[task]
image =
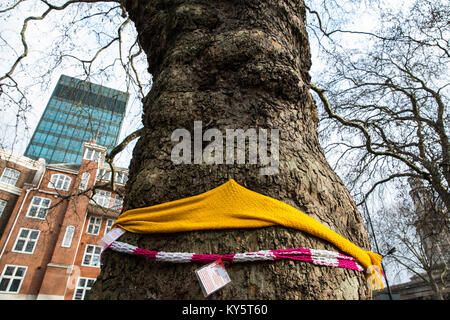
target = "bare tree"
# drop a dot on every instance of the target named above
(93, 40)
(385, 111)
(417, 226)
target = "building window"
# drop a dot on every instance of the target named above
(121, 177)
(38, 208)
(83, 286)
(91, 256)
(84, 180)
(102, 198)
(109, 223)
(2, 206)
(11, 278)
(68, 236)
(10, 176)
(26, 241)
(91, 154)
(118, 203)
(104, 174)
(59, 182)
(94, 225)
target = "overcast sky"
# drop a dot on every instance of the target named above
(42, 38)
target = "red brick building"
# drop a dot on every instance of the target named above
(15, 172)
(48, 246)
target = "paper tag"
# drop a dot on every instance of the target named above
(110, 237)
(212, 277)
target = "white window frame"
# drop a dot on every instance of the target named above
(84, 180)
(118, 202)
(84, 288)
(109, 223)
(68, 237)
(59, 178)
(26, 240)
(104, 174)
(94, 225)
(38, 208)
(92, 256)
(92, 154)
(12, 277)
(10, 176)
(102, 198)
(3, 204)
(121, 177)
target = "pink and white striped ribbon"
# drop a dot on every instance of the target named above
(317, 257)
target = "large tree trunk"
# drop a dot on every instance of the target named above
(231, 64)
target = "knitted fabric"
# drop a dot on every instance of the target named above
(317, 257)
(231, 206)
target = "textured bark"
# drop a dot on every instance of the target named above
(231, 64)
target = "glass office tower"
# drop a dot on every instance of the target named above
(77, 112)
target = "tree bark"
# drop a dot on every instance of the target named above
(238, 65)
(434, 286)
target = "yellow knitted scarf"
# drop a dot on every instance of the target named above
(231, 206)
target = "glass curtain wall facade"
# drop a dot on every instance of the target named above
(77, 112)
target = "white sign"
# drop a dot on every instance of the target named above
(212, 277)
